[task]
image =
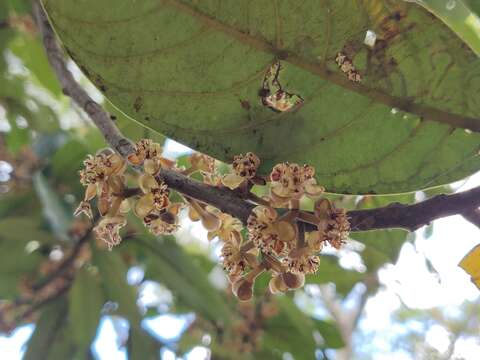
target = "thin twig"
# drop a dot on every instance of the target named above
(65, 265)
(71, 88)
(35, 307)
(407, 217)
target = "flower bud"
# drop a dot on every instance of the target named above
(286, 230)
(277, 285)
(193, 214)
(293, 281)
(243, 289)
(210, 222)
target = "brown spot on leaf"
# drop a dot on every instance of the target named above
(245, 104)
(137, 105)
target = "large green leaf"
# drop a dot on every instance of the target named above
(293, 331)
(54, 209)
(331, 271)
(170, 265)
(16, 261)
(193, 69)
(459, 17)
(31, 52)
(113, 271)
(381, 247)
(86, 301)
(49, 340)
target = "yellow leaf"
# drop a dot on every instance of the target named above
(471, 264)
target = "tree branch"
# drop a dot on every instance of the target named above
(473, 216)
(66, 264)
(407, 217)
(70, 87)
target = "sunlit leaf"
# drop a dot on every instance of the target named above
(458, 15)
(30, 50)
(53, 208)
(471, 264)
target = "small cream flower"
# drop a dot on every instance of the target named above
(269, 235)
(108, 229)
(292, 181)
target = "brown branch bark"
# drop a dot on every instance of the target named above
(66, 264)
(473, 216)
(407, 217)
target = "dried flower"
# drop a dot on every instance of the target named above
(155, 196)
(165, 223)
(338, 228)
(245, 169)
(108, 229)
(84, 207)
(144, 149)
(333, 223)
(233, 261)
(246, 165)
(303, 264)
(203, 163)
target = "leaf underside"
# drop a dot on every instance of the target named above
(192, 70)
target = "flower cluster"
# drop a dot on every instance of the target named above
(244, 172)
(284, 248)
(280, 237)
(104, 177)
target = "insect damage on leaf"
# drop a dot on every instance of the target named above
(272, 94)
(471, 264)
(347, 67)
